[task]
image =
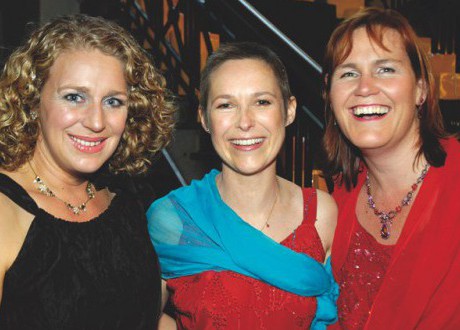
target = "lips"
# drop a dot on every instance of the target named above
(370, 111)
(87, 144)
(247, 142)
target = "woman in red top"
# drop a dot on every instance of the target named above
(396, 254)
(243, 248)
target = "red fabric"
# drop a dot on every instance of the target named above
(361, 277)
(421, 288)
(228, 300)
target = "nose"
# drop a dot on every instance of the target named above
(366, 85)
(94, 118)
(245, 119)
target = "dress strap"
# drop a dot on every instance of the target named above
(310, 204)
(17, 194)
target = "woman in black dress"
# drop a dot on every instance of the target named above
(80, 97)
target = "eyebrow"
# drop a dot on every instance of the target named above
(377, 62)
(86, 90)
(229, 96)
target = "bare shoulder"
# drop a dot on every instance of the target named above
(8, 217)
(8, 223)
(14, 224)
(327, 207)
(326, 223)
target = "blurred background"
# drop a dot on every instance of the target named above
(180, 34)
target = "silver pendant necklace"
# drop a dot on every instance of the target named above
(75, 209)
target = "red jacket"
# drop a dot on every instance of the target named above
(421, 288)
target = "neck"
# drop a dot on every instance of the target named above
(394, 170)
(250, 193)
(54, 175)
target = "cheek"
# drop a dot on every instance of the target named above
(334, 97)
(118, 122)
(58, 120)
(219, 125)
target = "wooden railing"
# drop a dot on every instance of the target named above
(182, 33)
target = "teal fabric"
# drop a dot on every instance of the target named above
(193, 231)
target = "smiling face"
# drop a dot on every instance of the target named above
(246, 115)
(374, 93)
(82, 111)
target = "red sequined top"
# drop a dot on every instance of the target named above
(228, 300)
(362, 274)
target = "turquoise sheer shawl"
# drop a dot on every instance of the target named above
(193, 231)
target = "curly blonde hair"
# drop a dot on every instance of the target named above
(150, 107)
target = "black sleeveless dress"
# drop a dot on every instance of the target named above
(100, 274)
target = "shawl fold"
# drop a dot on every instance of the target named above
(193, 231)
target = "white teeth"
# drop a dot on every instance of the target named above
(247, 142)
(86, 143)
(370, 110)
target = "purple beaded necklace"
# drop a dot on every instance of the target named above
(386, 218)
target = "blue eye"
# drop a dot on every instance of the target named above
(73, 97)
(114, 102)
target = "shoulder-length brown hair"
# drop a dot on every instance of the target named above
(150, 109)
(342, 156)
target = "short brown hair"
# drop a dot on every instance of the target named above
(343, 157)
(150, 109)
(242, 51)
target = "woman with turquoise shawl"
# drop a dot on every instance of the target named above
(244, 248)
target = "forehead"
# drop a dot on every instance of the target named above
(384, 39)
(251, 64)
(382, 42)
(71, 59)
(234, 73)
(91, 69)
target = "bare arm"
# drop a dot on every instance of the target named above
(326, 219)
(2, 276)
(14, 224)
(166, 321)
(7, 233)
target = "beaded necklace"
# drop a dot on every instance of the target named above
(75, 209)
(386, 218)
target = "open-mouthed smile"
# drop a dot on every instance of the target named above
(89, 145)
(247, 142)
(370, 111)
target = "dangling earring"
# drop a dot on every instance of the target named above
(33, 115)
(418, 108)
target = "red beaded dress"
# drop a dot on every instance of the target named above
(362, 275)
(228, 300)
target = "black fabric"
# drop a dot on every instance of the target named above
(100, 274)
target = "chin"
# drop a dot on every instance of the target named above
(248, 169)
(88, 167)
(368, 140)
(372, 144)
